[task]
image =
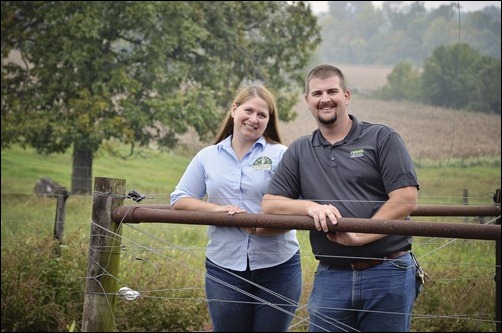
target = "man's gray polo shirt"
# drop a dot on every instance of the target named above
(354, 175)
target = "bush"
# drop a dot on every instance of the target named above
(43, 285)
(42, 288)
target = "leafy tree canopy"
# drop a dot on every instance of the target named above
(84, 72)
(143, 70)
(458, 76)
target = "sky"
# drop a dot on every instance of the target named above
(322, 6)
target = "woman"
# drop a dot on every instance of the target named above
(253, 275)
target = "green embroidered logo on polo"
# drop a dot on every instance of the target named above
(357, 153)
(262, 163)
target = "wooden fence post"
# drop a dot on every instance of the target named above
(61, 196)
(497, 200)
(465, 201)
(104, 257)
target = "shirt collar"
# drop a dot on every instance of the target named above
(227, 143)
(355, 132)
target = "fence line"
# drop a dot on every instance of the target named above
(108, 213)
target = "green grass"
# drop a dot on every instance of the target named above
(148, 171)
(151, 173)
(447, 183)
(158, 172)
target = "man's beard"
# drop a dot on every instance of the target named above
(327, 122)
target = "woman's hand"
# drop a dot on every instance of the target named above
(230, 209)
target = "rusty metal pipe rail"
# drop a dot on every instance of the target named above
(457, 210)
(163, 213)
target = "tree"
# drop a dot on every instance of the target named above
(403, 83)
(358, 32)
(482, 31)
(460, 77)
(76, 74)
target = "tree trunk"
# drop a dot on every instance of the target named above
(81, 178)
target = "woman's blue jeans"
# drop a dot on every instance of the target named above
(264, 300)
(378, 299)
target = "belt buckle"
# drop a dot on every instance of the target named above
(352, 266)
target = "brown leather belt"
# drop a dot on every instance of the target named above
(363, 264)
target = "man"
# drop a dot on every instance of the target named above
(349, 168)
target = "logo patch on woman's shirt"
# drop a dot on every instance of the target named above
(262, 163)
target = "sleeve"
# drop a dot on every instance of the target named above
(396, 164)
(285, 181)
(192, 183)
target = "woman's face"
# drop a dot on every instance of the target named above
(251, 118)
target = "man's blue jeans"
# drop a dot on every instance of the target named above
(377, 299)
(264, 300)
